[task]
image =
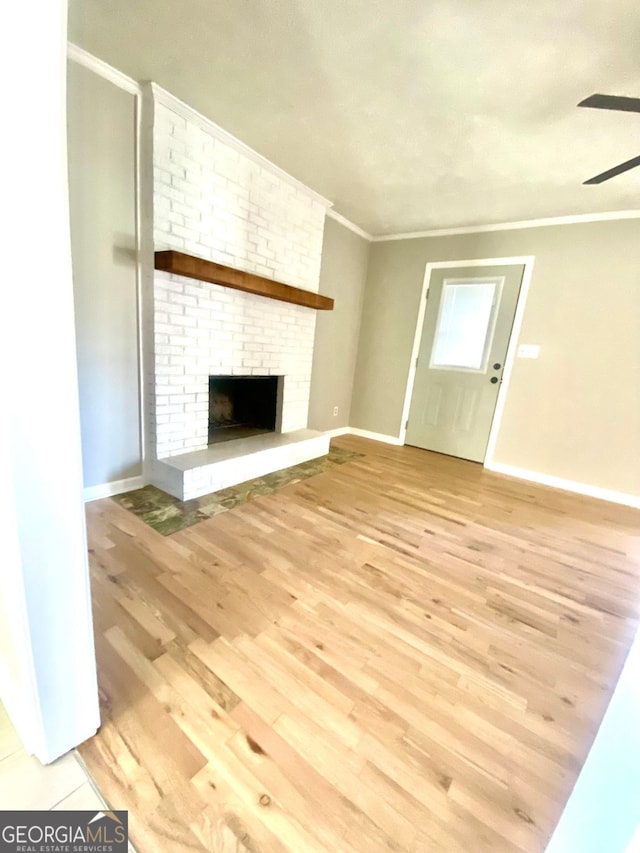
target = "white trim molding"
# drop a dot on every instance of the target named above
(334, 433)
(180, 108)
(349, 224)
(528, 261)
(108, 72)
(417, 337)
(363, 433)
(82, 57)
(377, 436)
(566, 485)
(116, 487)
(575, 219)
(525, 260)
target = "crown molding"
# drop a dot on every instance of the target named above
(108, 72)
(349, 224)
(162, 96)
(575, 219)
(88, 60)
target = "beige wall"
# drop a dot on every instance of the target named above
(342, 276)
(575, 412)
(101, 146)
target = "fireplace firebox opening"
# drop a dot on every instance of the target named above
(241, 406)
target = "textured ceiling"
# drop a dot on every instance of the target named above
(407, 114)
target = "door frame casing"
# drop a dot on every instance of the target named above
(522, 260)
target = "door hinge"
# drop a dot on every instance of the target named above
(426, 296)
(406, 424)
(417, 360)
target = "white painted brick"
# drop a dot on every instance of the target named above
(212, 201)
(188, 188)
(180, 299)
(161, 176)
(168, 329)
(211, 325)
(169, 409)
(163, 309)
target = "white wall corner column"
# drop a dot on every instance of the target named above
(47, 660)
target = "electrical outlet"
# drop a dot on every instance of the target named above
(335, 411)
(528, 351)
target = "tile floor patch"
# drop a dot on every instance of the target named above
(167, 514)
(28, 785)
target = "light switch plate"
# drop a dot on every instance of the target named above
(528, 351)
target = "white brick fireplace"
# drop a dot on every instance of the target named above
(216, 199)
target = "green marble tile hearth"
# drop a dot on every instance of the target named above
(167, 514)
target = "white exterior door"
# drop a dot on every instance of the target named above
(463, 346)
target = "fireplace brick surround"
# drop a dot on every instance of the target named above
(217, 200)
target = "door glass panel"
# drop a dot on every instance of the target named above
(465, 323)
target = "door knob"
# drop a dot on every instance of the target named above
(497, 366)
(494, 379)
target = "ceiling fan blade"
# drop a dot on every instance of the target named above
(617, 170)
(612, 102)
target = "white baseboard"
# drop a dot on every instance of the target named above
(364, 433)
(106, 490)
(566, 485)
(334, 433)
(376, 436)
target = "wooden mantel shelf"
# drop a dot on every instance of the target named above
(188, 265)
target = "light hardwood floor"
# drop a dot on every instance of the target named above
(404, 653)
